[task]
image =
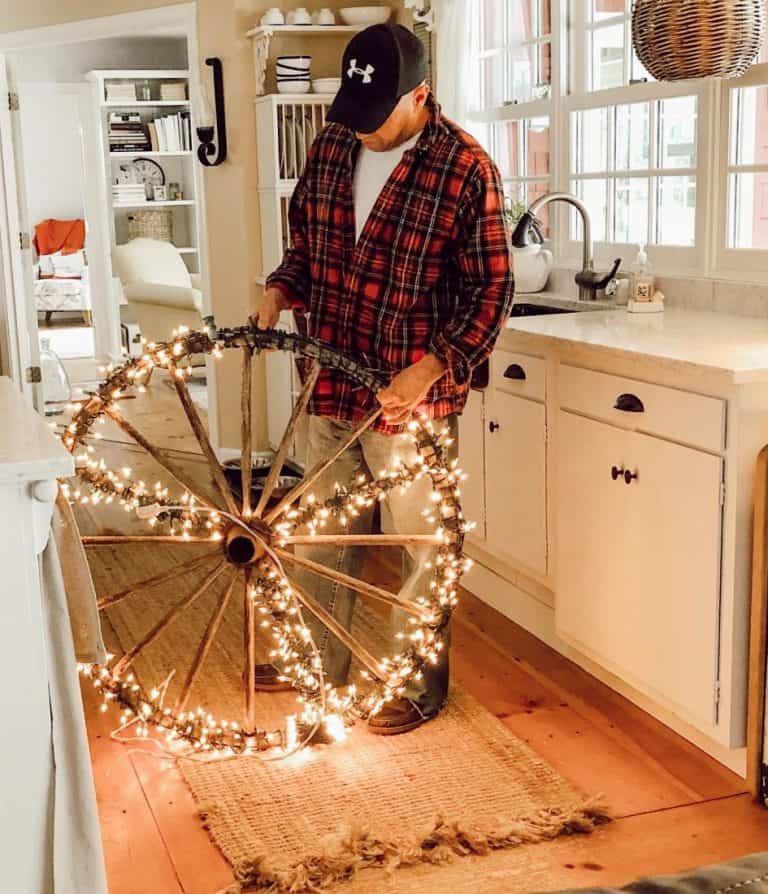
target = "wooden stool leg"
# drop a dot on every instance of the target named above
(758, 629)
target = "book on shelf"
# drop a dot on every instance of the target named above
(128, 132)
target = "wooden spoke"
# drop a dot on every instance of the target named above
(245, 430)
(353, 583)
(285, 443)
(156, 581)
(109, 539)
(169, 618)
(249, 651)
(205, 643)
(363, 539)
(117, 417)
(328, 621)
(318, 470)
(219, 478)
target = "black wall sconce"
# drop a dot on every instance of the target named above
(209, 129)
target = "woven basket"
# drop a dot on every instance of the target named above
(681, 39)
(154, 224)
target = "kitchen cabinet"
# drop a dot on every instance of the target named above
(472, 462)
(515, 485)
(638, 561)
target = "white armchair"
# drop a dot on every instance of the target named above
(158, 288)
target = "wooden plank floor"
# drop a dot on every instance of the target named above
(675, 807)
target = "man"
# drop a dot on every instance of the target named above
(400, 258)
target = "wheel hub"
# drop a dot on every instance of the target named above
(245, 546)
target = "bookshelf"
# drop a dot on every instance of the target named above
(126, 102)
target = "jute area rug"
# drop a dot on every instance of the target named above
(325, 818)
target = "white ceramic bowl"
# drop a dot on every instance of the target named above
(326, 85)
(293, 62)
(365, 15)
(293, 86)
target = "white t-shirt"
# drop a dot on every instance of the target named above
(372, 171)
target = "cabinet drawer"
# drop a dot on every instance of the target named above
(518, 374)
(655, 409)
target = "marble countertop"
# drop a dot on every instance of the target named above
(734, 345)
(29, 449)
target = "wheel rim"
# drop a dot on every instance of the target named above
(251, 544)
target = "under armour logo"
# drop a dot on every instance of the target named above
(365, 72)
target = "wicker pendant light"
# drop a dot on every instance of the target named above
(681, 39)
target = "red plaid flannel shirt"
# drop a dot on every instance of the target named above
(431, 271)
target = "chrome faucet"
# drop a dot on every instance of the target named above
(587, 279)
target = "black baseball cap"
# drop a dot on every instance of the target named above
(380, 64)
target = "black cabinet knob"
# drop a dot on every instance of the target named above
(514, 371)
(615, 472)
(493, 426)
(629, 476)
(629, 403)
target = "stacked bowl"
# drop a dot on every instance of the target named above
(293, 74)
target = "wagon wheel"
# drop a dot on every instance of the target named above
(246, 546)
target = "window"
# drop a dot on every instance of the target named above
(521, 150)
(634, 165)
(516, 51)
(648, 158)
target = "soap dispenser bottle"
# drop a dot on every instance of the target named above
(641, 277)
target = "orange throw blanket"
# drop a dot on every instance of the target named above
(66, 236)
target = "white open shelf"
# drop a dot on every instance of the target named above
(136, 152)
(178, 166)
(304, 29)
(145, 103)
(156, 203)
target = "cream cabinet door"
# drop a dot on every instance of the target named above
(472, 462)
(515, 483)
(638, 563)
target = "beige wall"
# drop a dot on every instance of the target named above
(230, 190)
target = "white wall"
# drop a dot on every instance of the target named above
(50, 136)
(70, 62)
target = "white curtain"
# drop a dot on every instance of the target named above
(457, 46)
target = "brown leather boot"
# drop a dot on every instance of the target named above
(266, 679)
(398, 716)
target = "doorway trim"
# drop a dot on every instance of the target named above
(180, 19)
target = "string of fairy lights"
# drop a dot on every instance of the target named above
(280, 611)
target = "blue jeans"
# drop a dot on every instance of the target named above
(400, 514)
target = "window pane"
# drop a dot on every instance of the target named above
(590, 146)
(544, 73)
(608, 57)
(676, 211)
(493, 92)
(544, 8)
(492, 30)
(748, 224)
(594, 194)
(519, 197)
(537, 147)
(632, 136)
(749, 126)
(637, 71)
(528, 19)
(605, 9)
(631, 210)
(521, 62)
(677, 132)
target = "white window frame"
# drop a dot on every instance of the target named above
(710, 256)
(745, 264)
(665, 258)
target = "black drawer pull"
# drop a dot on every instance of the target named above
(629, 403)
(493, 426)
(514, 371)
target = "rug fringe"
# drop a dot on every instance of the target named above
(353, 848)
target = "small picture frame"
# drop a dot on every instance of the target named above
(174, 192)
(160, 193)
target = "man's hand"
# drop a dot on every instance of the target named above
(409, 388)
(268, 309)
